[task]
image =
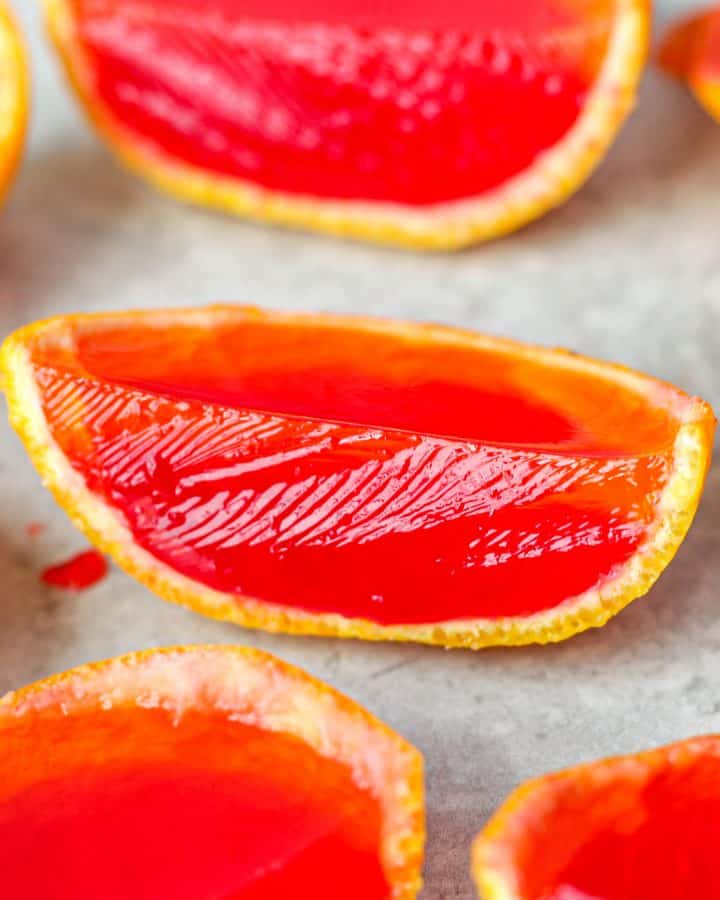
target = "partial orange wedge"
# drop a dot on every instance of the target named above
(630, 828)
(360, 477)
(691, 52)
(203, 772)
(426, 124)
(14, 97)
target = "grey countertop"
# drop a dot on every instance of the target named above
(629, 270)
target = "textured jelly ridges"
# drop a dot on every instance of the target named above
(389, 526)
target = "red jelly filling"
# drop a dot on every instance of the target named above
(415, 103)
(128, 804)
(335, 471)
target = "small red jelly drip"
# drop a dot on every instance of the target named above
(33, 529)
(80, 572)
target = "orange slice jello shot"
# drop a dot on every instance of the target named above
(356, 477)
(203, 772)
(640, 826)
(422, 123)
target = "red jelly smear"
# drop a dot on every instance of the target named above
(79, 572)
(206, 810)
(412, 103)
(335, 470)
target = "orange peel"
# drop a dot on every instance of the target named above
(14, 97)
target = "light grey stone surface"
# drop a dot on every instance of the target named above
(629, 270)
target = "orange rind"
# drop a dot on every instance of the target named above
(200, 772)
(365, 119)
(14, 97)
(356, 477)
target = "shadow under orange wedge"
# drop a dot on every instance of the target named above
(424, 123)
(14, 100)
(360, 477)
(640, 826)
(203, 772)
(691, 52)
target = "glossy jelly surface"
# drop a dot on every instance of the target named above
(354, 501)
(412, 103)
(200, 810)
